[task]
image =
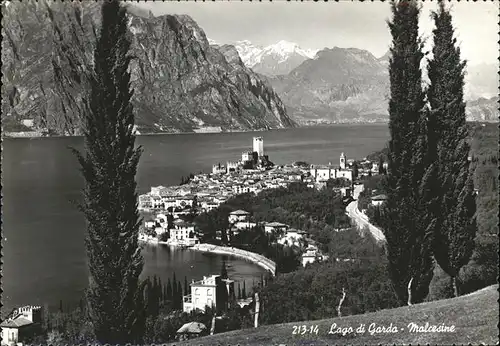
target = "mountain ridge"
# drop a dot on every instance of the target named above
(181, 83)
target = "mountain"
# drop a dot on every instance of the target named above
(181, 82)
(351, 85)
(483, 109)
(481, 81)
(384, 59)
(338, 85)
(275, 59)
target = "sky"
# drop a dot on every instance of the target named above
(316, 25)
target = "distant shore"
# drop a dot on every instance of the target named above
(259, 260)
(37, 134)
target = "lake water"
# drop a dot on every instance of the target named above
(43, 233)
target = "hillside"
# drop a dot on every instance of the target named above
(181, 82)
(475, 317)
(338, 85)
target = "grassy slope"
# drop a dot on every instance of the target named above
(475, 317)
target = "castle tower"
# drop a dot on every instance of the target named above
(258, 146)
(343, 161)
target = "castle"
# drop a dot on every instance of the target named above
(249, 159)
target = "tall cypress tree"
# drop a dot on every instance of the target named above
(186, 286)
(169, 292)
(407, 227)
(109, 165)
(454, 237)
(179, 295)
(223, 271)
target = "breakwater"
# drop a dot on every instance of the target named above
(260, 260)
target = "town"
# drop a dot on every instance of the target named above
(165, 210)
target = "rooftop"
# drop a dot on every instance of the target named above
(275, 224)
(192, 327)
(16, 322)
(240, 212)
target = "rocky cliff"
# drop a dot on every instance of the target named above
(181, 82)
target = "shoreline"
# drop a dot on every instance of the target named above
(30, 134)
(257, 259)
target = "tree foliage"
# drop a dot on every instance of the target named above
(109, 166)
(407, 226)
(455, 212)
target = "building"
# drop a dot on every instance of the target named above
(275, 227)
(145, 202)
(207, 292)
(292, 237)
(322, 173)
(309, 257)
(21, 324)
(312, 255)
(241, 225)
(345, 191)
(238, 215)
(28, 122)
(183, 233)
(343, 161)
(246, 156)
(378, 200)
(232, 166)
(191, 330)
(218, 169)
(258, 146)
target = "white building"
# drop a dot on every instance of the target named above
(28, 122)
(238, 215)
(21, 324)
(218, 169)
(241, 225)
(343, 161)
(145, 202)
(246, 156)
(275, 227)
(312, 255)
(292, 237)
(183, 233)
(204, 293)
(157, 202)
(378, 200)
(322, 173)
(232, 166)
(258, 146)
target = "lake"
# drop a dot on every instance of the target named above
(43, 232)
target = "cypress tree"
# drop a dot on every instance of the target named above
(109, 166)
(223, 271)
(355, 170)
(408, 230)
(174, 290)
(169, 292)
(186, 286)
(160, 290)
(179, 295)
(380, 165)
(454, 236)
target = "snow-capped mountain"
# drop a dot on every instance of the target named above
(275, 59)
